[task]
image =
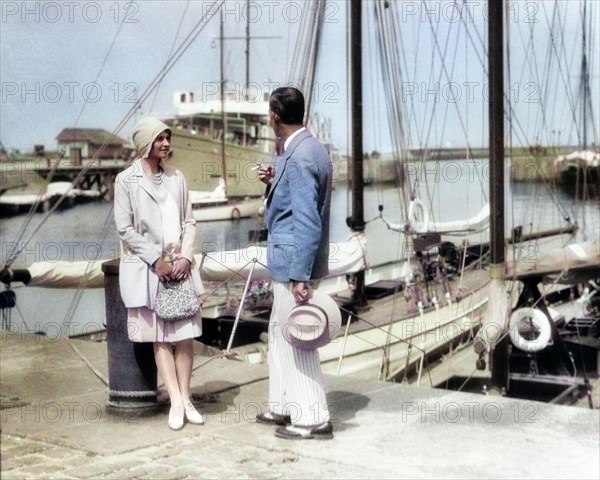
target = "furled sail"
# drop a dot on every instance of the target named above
(419, 222)
(345, 257)
(66, 274)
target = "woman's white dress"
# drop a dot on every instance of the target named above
(142, 323)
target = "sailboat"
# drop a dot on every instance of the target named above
(399, 313)
(215, 205)
(19, 203)
(412, 324)
(525, 341)
(579, 171)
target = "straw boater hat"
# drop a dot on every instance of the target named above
(145, 132)
(313, 324)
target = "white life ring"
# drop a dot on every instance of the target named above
(537, 323)
(418, 216)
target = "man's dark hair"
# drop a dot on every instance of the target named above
(288, 104)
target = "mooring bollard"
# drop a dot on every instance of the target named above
(132, 374)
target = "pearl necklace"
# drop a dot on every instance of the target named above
(156, 178)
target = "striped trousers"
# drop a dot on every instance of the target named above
(295, 379)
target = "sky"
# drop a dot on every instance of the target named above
(56, 73)
(85, 63)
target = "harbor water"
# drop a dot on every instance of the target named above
(87, 232)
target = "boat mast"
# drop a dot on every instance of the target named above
(223, 115)
(247, 46)
(584, 78)
(356, 222)
(499, 362)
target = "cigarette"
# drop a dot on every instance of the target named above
(257, 166)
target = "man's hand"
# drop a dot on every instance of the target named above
(301, 291)
(265, 173)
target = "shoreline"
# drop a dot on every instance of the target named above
(531, 164)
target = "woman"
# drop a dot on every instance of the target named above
(154, 220)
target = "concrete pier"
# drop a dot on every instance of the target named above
(55, 425)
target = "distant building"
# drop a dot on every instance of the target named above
(96, 143)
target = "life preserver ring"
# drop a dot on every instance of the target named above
(529, 320)
(235, 213)
(418, 216)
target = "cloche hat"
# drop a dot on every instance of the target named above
(145, 132)
(313, 324)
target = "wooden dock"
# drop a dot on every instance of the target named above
(89, 175)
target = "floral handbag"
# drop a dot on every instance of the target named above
(175, 302)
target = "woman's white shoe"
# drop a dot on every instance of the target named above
(193, 415)
(176, 418)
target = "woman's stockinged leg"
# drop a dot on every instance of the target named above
(165, 361)
(184, 358)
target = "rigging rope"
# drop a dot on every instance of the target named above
(389, 40)
(519, 131)
(183, 46)
(112, 44)
(187, 4)
(83, 284)
(376, 116)
(392, 76)
(306, 53)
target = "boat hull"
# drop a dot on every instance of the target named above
(581, 182)
(199, 159)
(11, 205)
(393, 334)
(232, 210)
(382, 352)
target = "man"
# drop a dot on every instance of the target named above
(298, 206)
